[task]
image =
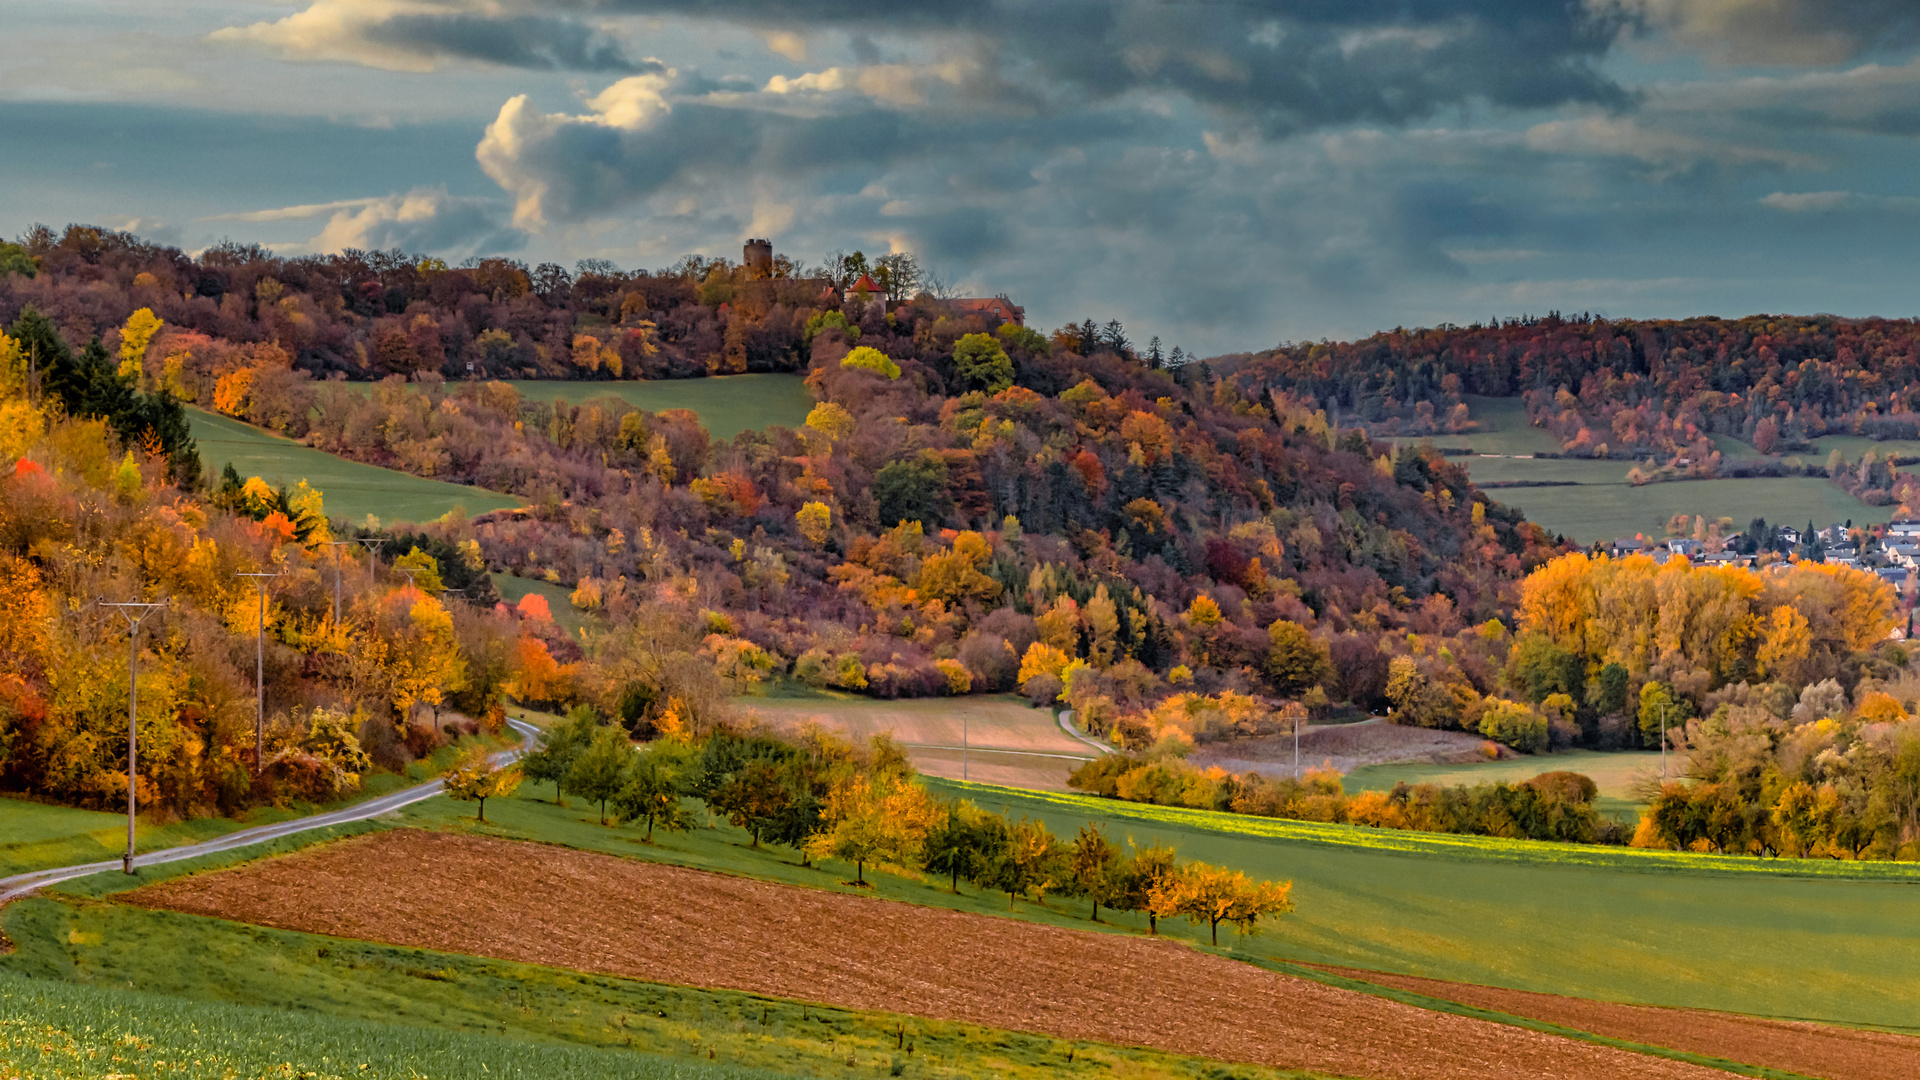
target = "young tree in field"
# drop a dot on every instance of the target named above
(1029, 859)
(959, 845)
(754, 797)
(1214, 894)
(559, 748)
(1091, 864)
(744, 778)
(477, 779)
(655, 787)
(1138, 876)
(874, 819)
(601, 769)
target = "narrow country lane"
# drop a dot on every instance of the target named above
(21, 884)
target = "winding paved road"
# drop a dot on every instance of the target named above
(20, 884)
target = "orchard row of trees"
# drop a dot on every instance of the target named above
(828, 798)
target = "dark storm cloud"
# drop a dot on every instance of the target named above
(1280, 67)
(1777, 31)
(525, 41)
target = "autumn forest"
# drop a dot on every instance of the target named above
(1183, 555)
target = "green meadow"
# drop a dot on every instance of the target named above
(352, 490)
(1781, 938)
(1591, 500)
(512, 588)
(726, 404)
(1593, 512)
(58, 1029)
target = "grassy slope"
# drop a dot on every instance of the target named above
(56, 1030)
(1735, 934)
(1616, 773)
(559, 600)
(352, 490)
(35, 836)
(1604, 506)
(1593, 512)
(726, 405)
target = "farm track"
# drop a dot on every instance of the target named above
(573, 909)
(1836, 1053)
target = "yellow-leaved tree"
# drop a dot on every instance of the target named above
(135, 336)
(874, 819)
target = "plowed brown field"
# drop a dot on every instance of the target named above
(574, 909)
(1835, 1053)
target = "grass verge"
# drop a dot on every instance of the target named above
(39, 836)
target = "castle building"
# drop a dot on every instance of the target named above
(757, 257)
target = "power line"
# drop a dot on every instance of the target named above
(128, 611)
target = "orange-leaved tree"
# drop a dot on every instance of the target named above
(1215, 894)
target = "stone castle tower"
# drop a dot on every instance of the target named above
(757, 257)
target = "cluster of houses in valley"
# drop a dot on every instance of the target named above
(1891, 551)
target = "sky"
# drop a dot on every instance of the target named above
(1225, 175)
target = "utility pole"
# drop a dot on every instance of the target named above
(336, 545)
(260, 671)
(1296, 748)
(1663, 744)
(963, 746)
(409, 571)
(135, 613)
(374, 544)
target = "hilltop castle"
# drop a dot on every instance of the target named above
(756, 256)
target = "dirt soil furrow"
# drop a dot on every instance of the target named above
(573, 909)
(1824, 1050)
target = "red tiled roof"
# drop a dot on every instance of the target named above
(866, 284)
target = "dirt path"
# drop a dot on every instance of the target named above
(556, 906)
(1822, 1050)
(1013, 744)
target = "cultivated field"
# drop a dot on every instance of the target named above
(593, 912)
(1343, 747)
(352, 490)
(726, 405)
(1810, 1049)
(1010, 742)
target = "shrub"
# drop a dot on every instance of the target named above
(867, 358)
(959, 679)
(1514, 724)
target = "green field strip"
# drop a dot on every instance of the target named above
(726, 404)
(1545, 1027)
(352, 489)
